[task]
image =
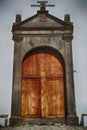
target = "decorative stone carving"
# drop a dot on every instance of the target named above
(43, 17)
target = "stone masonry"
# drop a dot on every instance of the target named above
(43, 32)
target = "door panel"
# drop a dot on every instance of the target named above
(31, 96)
(53, 99)
(56, 109)
(42, 87)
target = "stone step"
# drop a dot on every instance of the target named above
(45, 127)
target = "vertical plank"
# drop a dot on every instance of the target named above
(31, 104)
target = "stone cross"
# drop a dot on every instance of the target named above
(42, 5)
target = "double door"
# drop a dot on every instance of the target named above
(42, 91)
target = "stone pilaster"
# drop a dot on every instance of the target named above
(71, 108)
(15, 111)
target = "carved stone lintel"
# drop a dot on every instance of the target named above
(17, 38)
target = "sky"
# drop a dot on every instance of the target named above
(78, 12)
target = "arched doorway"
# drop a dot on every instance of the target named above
(42, 89)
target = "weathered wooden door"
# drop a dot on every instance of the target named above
(42, 91)
(31, 94)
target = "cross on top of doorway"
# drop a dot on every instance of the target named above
(42, 5)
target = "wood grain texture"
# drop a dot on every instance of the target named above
(42, 91)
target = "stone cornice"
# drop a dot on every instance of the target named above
(17, 38)
(67, 38)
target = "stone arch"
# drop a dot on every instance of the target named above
(45, 49)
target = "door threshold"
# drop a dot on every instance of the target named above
(43, 121)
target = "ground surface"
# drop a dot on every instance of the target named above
(45, 127)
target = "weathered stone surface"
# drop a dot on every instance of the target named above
(45, 127)
(53, 36)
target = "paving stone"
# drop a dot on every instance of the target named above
(63, 127)
(52, 127)
(31, 128)
(36, 127)
(58, 128)
(45, 127)
(70, 128)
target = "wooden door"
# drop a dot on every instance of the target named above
(42, 92)
(31, 96)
